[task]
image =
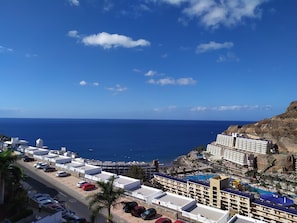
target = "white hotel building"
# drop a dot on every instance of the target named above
(238, 149)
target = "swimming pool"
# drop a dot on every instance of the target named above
(260, 191)
(201, 177)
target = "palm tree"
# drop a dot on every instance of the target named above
(136, 172)
(13, 181)
(6, 159)
(107, 197)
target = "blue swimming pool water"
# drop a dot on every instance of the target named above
(260, 191)
(201, 177)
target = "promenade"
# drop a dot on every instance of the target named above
(68, 185)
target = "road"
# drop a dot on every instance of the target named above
(39, 184)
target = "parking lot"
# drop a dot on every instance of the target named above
(69, 183)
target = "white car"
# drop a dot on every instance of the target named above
(48, 201)
(41, 199)
(38, 163)
(81, 183)
(62, 174)
(37, 195)
(41, 166)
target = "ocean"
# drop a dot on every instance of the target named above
(118, 140)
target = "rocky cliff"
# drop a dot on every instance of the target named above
(280, 129)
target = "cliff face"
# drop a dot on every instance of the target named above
(280, 129)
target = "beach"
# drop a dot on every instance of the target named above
(68, 185)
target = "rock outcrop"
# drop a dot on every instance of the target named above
(280, 129)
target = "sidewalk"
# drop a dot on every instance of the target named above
(69, 184)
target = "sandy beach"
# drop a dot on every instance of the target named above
(69, 184)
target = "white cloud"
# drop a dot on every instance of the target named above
(216, 13)
(166, 109)
(108, 5)
(185, 81)
(150, 73)
(163, 81)
(205, 47)
(117, 89)
(73, 33)
(199, 108)
(174, 2)
(228, 108)
(107, 40)
(229, 57)
(236, 107)
(4, 49)
(30, 55)
(171, 81)
(82, 83)
(74, 2)
(137, 70)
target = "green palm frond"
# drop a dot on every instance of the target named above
(107, 196)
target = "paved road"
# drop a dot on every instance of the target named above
(66, 190)
(41, 185)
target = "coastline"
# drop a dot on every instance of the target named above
(118, 140)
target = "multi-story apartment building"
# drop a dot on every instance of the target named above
(217, 193)
(238, 149)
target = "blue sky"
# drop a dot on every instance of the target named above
(147, 59)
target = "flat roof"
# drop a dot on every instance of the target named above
(145, 191)
(31, 148)
(170, 177)
(240, 220)
(243, 219)
(125, 180)
(62, 158)
(16, 141)
(103, 175)
(88, 167)
(213, 214)
(275, 206)
(74, 164)
(50, 155)
(176, 200)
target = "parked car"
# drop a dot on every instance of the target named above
(137, 211)
(81, 183)
(62, 174)
(163, 220)
(128, 206)
(149, 213)
(38, 195)
(39, 199)
(28, 159)
(73, 218)
(38, 163)
(41, 165)
(88, 186)
(49, 169)
(48, 201)
(56, 207)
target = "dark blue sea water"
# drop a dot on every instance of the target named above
(118, 140)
